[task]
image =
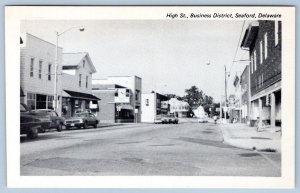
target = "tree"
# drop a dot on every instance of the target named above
(195, 98)
(173, 96)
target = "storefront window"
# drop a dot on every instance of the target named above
(50, 102)
(41, 101)
(31, 101)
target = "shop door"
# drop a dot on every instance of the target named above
(41, 101)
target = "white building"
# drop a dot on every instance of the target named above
(37, 68)
(76, 84)
(153, 107)
(179, 108)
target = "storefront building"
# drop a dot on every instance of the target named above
(115, 105)
(133, 87)
(37, 71)
(153, 107)
(263, 39)
(76, 92)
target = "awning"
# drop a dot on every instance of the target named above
(21, 92)
(80, 95)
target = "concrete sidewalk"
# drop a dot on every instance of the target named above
(243, 136)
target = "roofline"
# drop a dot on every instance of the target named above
(87, 55)
(42, 39)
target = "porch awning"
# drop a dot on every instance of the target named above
(80, 95)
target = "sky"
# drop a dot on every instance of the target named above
(169, 55)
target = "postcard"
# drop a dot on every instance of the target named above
(150, 96)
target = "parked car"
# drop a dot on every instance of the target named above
(57, 122)
(169, 119)
(30, 123)
(202, 120)
(82, 120)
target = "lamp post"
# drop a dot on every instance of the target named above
(56, 62)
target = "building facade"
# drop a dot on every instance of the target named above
(133, 84)
(115, 104)
(179, 108)
(37, 72)
(245, 95)
(76, 84)
(263, 40)
(153, 107)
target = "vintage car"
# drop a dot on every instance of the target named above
(31, 124)
(169, 119)
(57, 122)
(82, 120)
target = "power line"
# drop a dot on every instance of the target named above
(238, 45)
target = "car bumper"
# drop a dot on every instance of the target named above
(74, 124)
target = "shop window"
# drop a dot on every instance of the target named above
(31, 67)
(79, 80)
(86, 81)
(40, 69)
(261, 52)
(41, 101)
(127, 93)
(31, 101)
(266, 45)
(50, 102)
(49, 72)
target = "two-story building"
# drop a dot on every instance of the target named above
(263, 40)
(133, 84)
(76, 84)
(178, 107)
(245, 95)
(37, 72)
(153, 107)
(115, 104)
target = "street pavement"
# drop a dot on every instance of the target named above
(186, 149)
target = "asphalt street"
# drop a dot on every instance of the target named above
(186, 149)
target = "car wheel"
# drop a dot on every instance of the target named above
(33, 133)
(96, 124)
(59, 127)
(67, 127)
(85, 125)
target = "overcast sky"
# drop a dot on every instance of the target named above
(169, 56)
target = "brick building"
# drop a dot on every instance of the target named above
(245, 94)
(115, 104)
(134, 84)
(263, 40)
(37, 71)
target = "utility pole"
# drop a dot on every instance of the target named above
(226, 105)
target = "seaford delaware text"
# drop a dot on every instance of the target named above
(223, 15)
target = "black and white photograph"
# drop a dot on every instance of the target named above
(197, 92)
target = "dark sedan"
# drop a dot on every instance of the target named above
(31, 124)
(57, 122)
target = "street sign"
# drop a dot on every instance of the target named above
(136, 111)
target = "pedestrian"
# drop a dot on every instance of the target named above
(215, 119)
(260, 125)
